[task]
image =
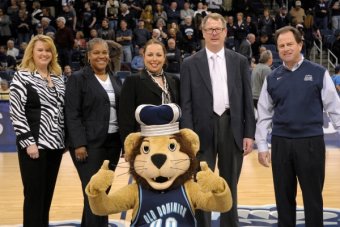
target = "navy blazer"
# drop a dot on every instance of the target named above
(87, 108)
(141, 89)
(197, 97)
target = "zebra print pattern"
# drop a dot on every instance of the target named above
(37, 111)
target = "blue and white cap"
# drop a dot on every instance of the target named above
(158, 120)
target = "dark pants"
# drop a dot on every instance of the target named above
(38, 177)
(300, 160)
(96, 156)
(230, 159)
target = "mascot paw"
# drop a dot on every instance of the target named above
(209, 181)
(102, 180)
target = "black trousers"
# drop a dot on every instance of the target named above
(38, 177)
(96, 156)
(230, 159)
(298, 160)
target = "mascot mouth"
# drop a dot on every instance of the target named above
(161, 179)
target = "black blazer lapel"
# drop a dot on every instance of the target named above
(203, 65)
(94, 83)
(148, 82)
(173, 88)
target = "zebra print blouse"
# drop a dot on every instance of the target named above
(37, 111)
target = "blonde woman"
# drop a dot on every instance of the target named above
(37, 114)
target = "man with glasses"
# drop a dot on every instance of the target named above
(217, 103)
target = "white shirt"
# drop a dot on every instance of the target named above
(113, 122)
(222, 66)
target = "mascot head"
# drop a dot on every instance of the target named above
(161, 156)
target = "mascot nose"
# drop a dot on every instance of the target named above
(158, 160)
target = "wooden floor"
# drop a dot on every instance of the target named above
(255, 187)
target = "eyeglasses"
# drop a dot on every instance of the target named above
(212, 30)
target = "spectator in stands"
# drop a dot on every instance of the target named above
(22, 49)
(36, 15)
(105, 32)
(115, 53)
(11, 49)
(201, 9)
(161, 26)
(173, 33)
(124, 38)
(23, 28)
(151, 86)
(7, 64)
(127, 16)
(245, 47)
(39, 30)
(231, 28)
(321, 14)
(111, 12)
(311, 33)
(281, 18)
(4, 90)
(135, 8)
(80, 41)
(259, 74)
(173, 57)
(137, 63)
(215, 6)
(45, 23)
(67, 73)
(64, 41)
(335, 14)
(140, 35)
(89, 19)
(297, 14)
(5, 31)
(93, 34)
(186, 11)
(173, 13)
(336, 45)
(70, 16)
(240, 31)
(147, 17)
(46, 12)
(160, 13)
(267, 23)
(91, 108)
(250, 26)
(189, 34)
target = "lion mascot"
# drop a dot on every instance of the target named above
(163, 163)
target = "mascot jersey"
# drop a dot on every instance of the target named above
(161, 209)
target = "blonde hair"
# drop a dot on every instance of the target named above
(214, 16)
(28, 63)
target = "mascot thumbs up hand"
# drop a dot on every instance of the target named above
(102, 180)
(209, 181)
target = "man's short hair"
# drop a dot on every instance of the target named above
(337, 69)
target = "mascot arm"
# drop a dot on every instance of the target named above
(210, 193)
(102, 203)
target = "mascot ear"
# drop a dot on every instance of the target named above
(130, 144)
(191, 138)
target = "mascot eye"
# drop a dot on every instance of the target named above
(146, 149)
(172, 147)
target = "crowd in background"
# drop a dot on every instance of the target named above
(131, 23)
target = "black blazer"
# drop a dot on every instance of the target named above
(87, 108)
(137, 90)
(197, 97)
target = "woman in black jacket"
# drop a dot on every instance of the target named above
(91, 101)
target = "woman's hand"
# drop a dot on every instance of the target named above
(81, 154)
(32, 151)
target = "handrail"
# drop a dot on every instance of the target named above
(315, 51)
(329, 61)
